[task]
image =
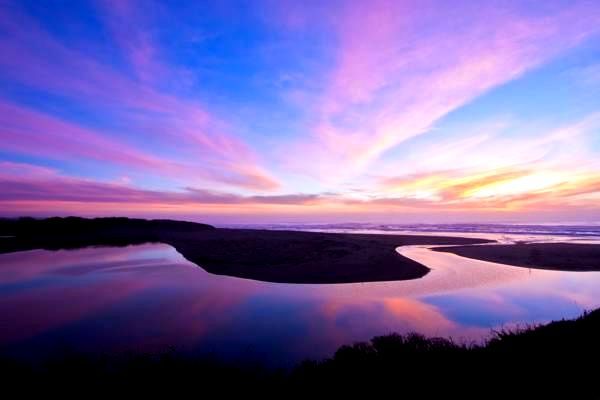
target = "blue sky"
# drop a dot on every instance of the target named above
(281, 111)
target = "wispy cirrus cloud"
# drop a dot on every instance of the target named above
(23, 130)
(401, 67)
(35, 58)
(30, 183)
(29, 187)
(30, 132)
(130, 25)
(338, 108)
(485, 153)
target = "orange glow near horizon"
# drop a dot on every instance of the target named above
(380, 111)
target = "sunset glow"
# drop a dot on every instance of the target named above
(276, 111)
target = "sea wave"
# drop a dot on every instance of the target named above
(537, 229)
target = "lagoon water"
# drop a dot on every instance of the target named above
(148, 298)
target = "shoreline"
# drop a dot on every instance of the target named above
(265, 255)
(544, 349)
(290, 256)
(574, 257)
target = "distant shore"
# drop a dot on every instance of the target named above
(286, 256)
(550, 256)
(274, 256)
(534, 356)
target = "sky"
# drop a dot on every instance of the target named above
(301, 111)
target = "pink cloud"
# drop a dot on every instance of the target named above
(30, 189)
(32, 56)
(28, 183)
(131, 28)
(26, 131)
(401, 67)
(12, 170)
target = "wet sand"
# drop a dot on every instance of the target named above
(273, 256)
(551, 256)
(304, 257)
(289, 256)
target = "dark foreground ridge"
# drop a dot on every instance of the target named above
(553, 256)
(274, 256)
(544, 358)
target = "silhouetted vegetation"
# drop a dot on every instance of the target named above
(70, 232)
(70, 225)
(562, 353)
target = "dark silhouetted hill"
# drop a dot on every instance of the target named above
(561, 356)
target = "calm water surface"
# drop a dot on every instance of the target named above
(148, 298)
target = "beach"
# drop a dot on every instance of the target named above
(126, 293)
(551, 256)
(273, 256)
(290, 256)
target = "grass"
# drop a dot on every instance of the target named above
(559, 354)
